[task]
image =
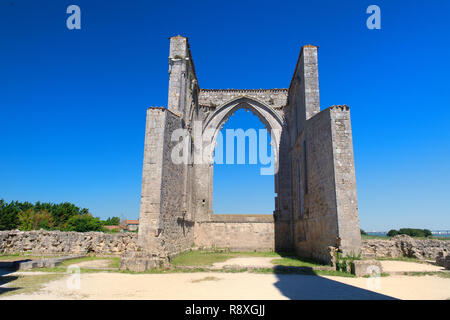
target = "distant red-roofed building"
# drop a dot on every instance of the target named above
(131, 225)
(112, 227)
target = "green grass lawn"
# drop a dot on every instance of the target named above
(15, 257)
(207, 258)
(294, 261)
(199, 261)
(25, 284)
(114, 260)
(367, 237)
(62, 268)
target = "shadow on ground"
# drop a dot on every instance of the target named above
(310, 286)
(5, 269)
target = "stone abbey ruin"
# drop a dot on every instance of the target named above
(315, 205)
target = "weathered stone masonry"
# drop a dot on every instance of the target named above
(237, 232)
(315, 204)
(42, 242)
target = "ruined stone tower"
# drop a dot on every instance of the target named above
(315, 206)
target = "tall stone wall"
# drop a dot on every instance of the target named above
(315, 223)
(66, 243)
(315, 205)
(345, 180)
(236, 233)
(164, 228)
(326, 207)
(183, 84)
(304, 97)
(150, 215)
(177, 233)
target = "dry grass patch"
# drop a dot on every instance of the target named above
(207, 258)
(12, 285)
(205, 279)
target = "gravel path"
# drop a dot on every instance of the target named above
(219, 285)
(94, 264)
(241, 286)
(262, 262)
(402, 266)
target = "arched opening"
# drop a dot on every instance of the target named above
(213, 123)
(243, 181)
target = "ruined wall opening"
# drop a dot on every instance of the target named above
(243, 179)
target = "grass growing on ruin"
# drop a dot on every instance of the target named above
(14, 257)
(25, 284)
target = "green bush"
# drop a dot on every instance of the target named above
(28, 216)
(410, 232)
(110, 231)
(84, 223)
(9, 218)
(34, 220)
(114, 221)
(344, 262)
(392, 233)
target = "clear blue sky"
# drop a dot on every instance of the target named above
(73, 103)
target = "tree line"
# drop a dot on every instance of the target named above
(64, 216)
(410, 232)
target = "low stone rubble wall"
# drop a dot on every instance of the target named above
(28, 264)
(404, 246)
(41, 242)
(236, 233)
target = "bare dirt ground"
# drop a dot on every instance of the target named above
(241, 286)
(262, 262)
(402, 266)
(95, 264)
(219, 285)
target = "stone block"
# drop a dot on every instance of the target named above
(362, 268)
(447, 262)
(28, 265)
(140, 261)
